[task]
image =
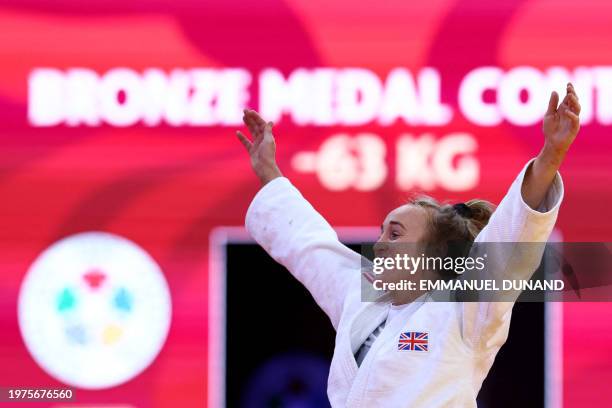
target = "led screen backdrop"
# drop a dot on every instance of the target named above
(119, 117)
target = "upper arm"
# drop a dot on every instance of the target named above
(298, 237)
(513, 221)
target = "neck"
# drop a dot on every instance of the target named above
(402, 297)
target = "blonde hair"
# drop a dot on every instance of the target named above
(452, 228)
(446, 222)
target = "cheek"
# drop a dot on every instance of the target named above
(411, 245)
(395, 275)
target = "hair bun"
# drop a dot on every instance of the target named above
(463, 210)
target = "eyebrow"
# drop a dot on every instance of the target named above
(393, 222)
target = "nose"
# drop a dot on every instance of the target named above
(380, 247)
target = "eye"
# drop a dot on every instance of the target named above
(394, 234)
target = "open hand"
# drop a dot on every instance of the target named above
(560, 127)
(262, 149)
(561, 124)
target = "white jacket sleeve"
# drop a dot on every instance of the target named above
(485, 324)
(298, 237)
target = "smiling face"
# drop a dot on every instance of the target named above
(406, 224)
(403, 232)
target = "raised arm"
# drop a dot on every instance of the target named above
(527, 214)
(262, 149)
(292, 232)
(560, 128)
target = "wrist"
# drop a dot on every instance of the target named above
(268, 174)
(551, 156)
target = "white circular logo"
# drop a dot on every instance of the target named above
(94, 310)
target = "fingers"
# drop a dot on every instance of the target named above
(552, 103)
(570, 114)
(268, 130)
(572, 99)
(244, 140)
(573, 104)
(257, 126)
(254, 122)
(572, 117)
(255, 118)
(250, 123)
(570, 89)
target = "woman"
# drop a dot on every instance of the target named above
(371, 366)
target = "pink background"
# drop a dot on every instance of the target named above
(166, 188)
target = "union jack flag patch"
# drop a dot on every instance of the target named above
(413, 341)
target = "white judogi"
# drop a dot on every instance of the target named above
(463, 337)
